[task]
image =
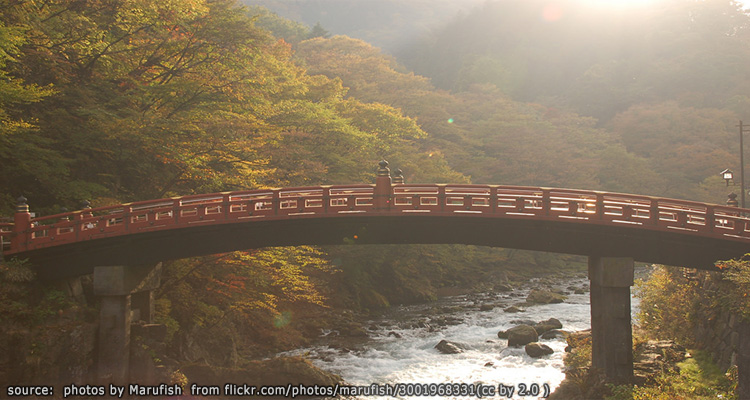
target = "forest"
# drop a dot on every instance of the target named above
(114, 101)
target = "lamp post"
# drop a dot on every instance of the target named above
(728, 175)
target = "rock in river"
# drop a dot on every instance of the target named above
(554, 334)
(447, 347)
(537, 350)
(537, 296)
(521, 335)
(548, 325)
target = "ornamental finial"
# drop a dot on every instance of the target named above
(21, 206)
(383, 170)
(732, 200)
(399, 176)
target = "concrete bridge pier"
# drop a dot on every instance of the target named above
(125, 293)
(611, 329)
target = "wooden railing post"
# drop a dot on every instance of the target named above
(21, 224)
(710, 218)
(383, 188)
(275, 201)
(326, 199)
(225, 205)
(654, 211)
(493, 200)
(442, 200)
(176, 210)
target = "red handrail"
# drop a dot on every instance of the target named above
(487, 201)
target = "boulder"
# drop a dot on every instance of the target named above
(552, 322)
(656, 358)
(521, 335)
(554, 334)
(548, 325)
(395, 334)
(447, 347)
(502, 334)
(536, 350)
(486, 307)
(514, 309)
(523, 322)
(537, 296)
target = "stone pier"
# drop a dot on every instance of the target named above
(126, 294)
(611, 330)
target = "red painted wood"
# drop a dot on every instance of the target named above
(482, 201)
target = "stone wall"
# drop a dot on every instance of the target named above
(718, 329)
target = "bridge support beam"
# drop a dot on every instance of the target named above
(115, 285)
(611, 330)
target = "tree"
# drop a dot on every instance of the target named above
(318, 31)
(26, 156)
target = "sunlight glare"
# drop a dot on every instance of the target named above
(622, 3)
(552, 12)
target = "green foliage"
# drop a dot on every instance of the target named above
(736, 295)
(163, 308)
(668, 305)
(698, 378)
(53, 302)
(292, 32)
(159, 99)
(581, 358)
(203, 291)
(15, 276)
(480, 131)
(671, 307)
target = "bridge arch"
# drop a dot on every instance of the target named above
(613, 229)
(571, 221)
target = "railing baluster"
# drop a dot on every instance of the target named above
(275, 201)
(654, 212)
(710, 219)
(442, 199)
(573, 207)
(493, 200)
(327, 199)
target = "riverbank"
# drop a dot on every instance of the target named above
(399, 345)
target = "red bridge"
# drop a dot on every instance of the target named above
(121, 244)
(593, 223)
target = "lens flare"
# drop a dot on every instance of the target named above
(552, 12)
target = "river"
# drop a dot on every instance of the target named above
(400, 347)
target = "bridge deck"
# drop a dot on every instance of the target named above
(579, 210)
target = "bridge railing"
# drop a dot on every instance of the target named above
(519, 202)
(6, 231)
